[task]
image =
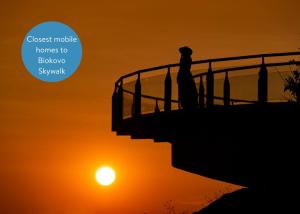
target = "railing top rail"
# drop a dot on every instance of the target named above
(209, 61)
(246, 67)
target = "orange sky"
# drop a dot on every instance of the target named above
(53, 136)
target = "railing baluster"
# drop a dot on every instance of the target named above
(226, 90)
(263, 83)
(210, 87)
(132, 107)
(201, 93)
(119, 113)
(114, 104)
(137, 97)
(168, 91)
(156, 107)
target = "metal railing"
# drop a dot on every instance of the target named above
(206, 99)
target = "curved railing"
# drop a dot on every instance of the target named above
(206, 96)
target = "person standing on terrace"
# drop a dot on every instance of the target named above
(187, 91)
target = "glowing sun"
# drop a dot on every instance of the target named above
(105, 176)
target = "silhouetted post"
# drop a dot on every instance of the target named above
(156, 107)
(210, 87)
(137, 97)
(226, 90)
(119, 103)
(114, 110)
(263, 83)
(168, 91)
(132, 107)
(201, 93)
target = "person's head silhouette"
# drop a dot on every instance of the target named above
(185, 51)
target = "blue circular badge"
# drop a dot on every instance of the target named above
(51, 51)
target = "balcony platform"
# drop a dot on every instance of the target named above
(240, 144)
(248, 141)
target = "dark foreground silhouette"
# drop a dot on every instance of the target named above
(248, 201)
(240, 201)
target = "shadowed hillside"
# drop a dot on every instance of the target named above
(249, 201)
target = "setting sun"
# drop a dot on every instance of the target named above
(105, 176)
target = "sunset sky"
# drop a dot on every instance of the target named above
(54, 136)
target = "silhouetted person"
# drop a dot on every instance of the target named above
(187, 90)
